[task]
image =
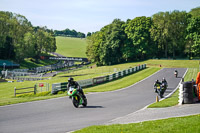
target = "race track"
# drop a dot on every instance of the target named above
(59, 116)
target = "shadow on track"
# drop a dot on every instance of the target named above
(93, 107)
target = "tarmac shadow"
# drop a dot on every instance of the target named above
(93, 107)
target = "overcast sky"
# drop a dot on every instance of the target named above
(89, 15)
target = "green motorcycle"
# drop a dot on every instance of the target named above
(76, 97)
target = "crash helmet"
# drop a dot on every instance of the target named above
(70, 79)
(163, 79)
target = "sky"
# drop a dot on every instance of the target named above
(89, 15)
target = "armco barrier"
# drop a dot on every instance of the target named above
(88, 82)
(99, 80)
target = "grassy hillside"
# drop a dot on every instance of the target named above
(71, 47)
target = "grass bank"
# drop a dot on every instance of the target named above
(71, 47)
(189, 124)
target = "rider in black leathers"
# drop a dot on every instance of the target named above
(157, 84)
(164, 83)
(74, 84)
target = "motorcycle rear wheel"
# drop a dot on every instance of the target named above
(85, 102)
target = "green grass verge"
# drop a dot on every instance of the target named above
(189, 124)
(174, 63)
(173, 100)
(71, 47)
(7, 95)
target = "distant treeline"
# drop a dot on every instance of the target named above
(69, 33)
(19, 39)
(173, 34)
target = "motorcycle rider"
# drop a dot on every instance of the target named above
(164, 83)
(157, 84)
(176, 72)
(72, 83)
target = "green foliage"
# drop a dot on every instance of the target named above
(164, 35)
(106, 46)
(193, 36)
(69, 33)
(138, 30)
(195, 12)
(19, 39)
(168, 32)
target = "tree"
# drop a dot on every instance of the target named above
(177, 32)
(193, 36)
(105, 47)
(195, 12)
(92, 49)
(138, 30)
(168, 32)
(160, 33)
(19, 39)
(69, 33)
(89, 34)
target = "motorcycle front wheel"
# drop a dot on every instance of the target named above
(75, 101)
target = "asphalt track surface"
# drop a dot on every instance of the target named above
(59, 116)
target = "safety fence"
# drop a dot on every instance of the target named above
(32, 74)
(37, 88)
(41, 69)
(27, 78)
(28, 90)
(42, 87)
(98, 80)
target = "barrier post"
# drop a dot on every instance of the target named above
(157, 99)
(15, 91)
(35, 89)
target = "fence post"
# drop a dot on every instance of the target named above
(35, 89)
(15, 91)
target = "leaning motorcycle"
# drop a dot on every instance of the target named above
(76, 97)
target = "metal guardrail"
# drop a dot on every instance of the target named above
(89, 82)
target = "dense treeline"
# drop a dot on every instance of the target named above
(69, 33)
(19, 39)
(164, 35)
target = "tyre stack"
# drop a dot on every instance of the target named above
(188, 92)
(180, 97)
